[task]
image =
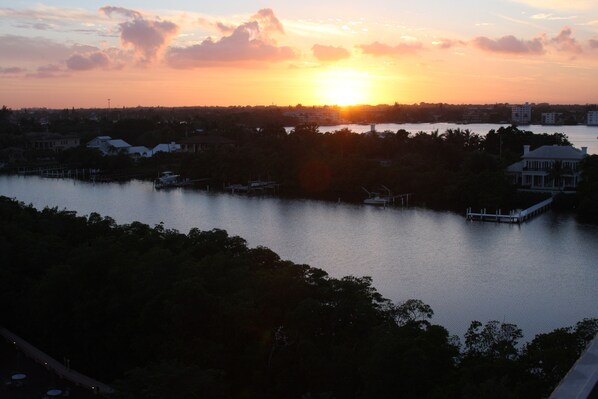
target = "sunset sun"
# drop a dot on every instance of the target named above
(343, 87)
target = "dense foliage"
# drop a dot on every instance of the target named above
(161, 314)
(452, 170)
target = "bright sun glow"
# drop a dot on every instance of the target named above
(343, 87)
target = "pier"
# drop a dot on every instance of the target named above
(514, 216)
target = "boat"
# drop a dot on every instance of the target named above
(170, 179)
(376, 200)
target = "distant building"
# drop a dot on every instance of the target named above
(551, 118)
(51, 141)
(548, 168)
(203, 143)
(320, 115)
(521, 114)
(593, 118)
(109, 146)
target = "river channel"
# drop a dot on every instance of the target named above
(540, 275)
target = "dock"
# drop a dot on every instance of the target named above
(253, 186)
(514, 216)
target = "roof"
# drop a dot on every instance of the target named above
(118, 143)
(167, 147)
(555, 152)
(138, 149)
(99, 139)
(517, 167)
(582, 379)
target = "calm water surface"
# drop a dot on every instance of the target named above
(540, 275)
(579, 135)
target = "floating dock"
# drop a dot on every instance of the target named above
(511, 217)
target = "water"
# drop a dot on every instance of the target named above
(540, 275)
(579, 135)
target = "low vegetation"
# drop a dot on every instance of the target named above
(161, 314)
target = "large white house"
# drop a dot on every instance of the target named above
(548, 168)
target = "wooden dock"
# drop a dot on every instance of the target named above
(511, 217)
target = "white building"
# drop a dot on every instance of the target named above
(593, 118)
(109, 146)
(548, 168)
(521, 114)
(550, 118)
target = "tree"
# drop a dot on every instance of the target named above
(413, 311)
(494, 340)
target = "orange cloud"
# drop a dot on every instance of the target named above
(85, 62)
(329, 53)
(565, 41)
(48, 71)
(145, 36)
(510, 45)
(251, 41)
(448, 43)
(380, 49)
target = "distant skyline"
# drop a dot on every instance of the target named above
(60, 54)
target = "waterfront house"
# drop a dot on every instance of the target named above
(51, 141)
(109, 146)
(548, 168)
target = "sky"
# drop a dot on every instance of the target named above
(63, 53)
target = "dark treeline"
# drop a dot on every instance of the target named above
(161, 314)
(451, 170)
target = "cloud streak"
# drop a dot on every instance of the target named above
(86, 62)
(47, 72)
(378, 49)
(12, 70)
(509, 45)
(559, 4)
(445, 44)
